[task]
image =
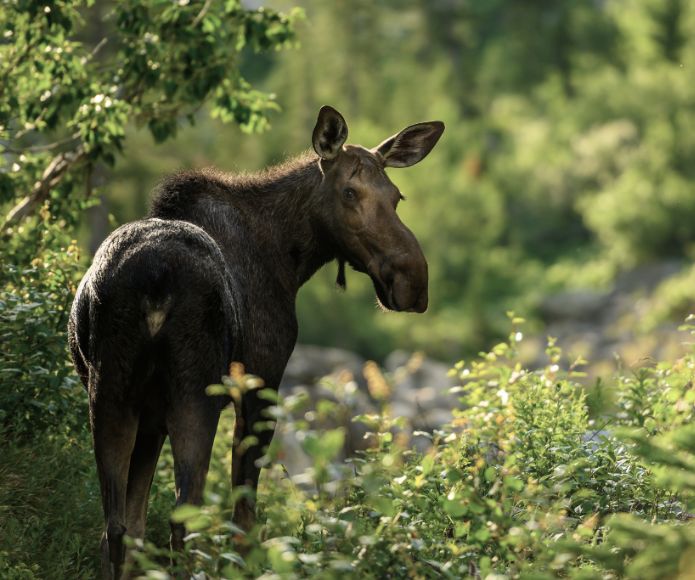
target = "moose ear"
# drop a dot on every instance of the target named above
(411, 145)
(330, 133)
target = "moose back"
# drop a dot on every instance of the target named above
(211, 277)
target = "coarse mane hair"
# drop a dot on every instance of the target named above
(178, 192)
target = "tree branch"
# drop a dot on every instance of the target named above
(40, 148)
(50, 178)
(201, 14)
(97, 48)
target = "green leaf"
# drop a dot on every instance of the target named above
(213, 390)
(184, 513)
(427, 464)
(324, 446)
(382, 504)
(513, 483)
(455, 508)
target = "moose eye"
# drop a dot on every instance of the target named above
(349, 194)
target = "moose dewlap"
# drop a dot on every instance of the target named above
(210, 278)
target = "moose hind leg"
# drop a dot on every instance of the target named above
(192, 426)
(143, 463)
(113, 430)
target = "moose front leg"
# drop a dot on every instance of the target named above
(251, 420)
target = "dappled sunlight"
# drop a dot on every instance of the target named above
(419, 428)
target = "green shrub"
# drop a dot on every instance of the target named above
(41, 396)
(523, 482)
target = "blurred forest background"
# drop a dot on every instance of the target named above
(568, 155)
(563, 189)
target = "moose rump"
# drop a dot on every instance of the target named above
(160, 299)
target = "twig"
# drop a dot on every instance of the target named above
(97, 48)
(202, 13)
(30, 127)
(50, 178)
(49, 146)
(40, 148)
(601, 428)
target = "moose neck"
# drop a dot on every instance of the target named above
(291, 205)
(276, 213)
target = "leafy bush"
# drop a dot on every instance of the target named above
(41, 396)
(634, 547)
(523, 482)
(65, 103)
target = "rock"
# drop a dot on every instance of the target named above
(315, 375)
(605, 327)
(576, 305)
(646, 277)
(310, 363)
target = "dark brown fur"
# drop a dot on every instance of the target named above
(211, 277)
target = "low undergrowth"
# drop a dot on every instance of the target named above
(533, 478)
(523, 483)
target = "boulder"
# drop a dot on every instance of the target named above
(316, 374)
(647, 276)
(310, 363)
(576, 305)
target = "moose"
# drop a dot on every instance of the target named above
(210, 277)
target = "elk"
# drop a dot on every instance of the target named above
(210, 277)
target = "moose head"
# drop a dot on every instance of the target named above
(362, 203)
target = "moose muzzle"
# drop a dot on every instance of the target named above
(400, 280)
